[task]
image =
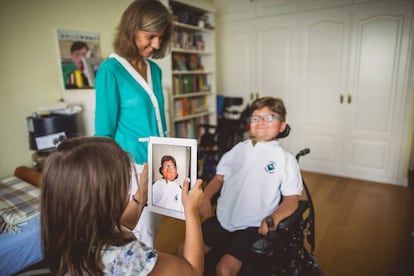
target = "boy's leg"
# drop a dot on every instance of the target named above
(238, 252)
(215, 240)
(228, 265)
(214, 235)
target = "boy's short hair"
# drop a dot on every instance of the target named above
(77, 45)
(275, 104)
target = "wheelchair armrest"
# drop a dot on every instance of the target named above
(267, 244)
(287, 222)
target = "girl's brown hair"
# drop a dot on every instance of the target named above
(84, 191)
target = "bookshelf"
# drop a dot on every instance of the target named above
(192, 66)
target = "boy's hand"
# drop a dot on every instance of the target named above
(264, 229)
(192, 199)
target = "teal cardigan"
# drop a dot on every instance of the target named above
(124, 110)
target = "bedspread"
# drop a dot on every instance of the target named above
(22, 249)
(19, 201)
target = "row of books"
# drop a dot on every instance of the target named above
(189, 106)
(188, 40)
(184, 84)
(187, 62)
(190, 128)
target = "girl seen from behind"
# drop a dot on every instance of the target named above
(84, 196)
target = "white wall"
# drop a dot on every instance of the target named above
(29, 58)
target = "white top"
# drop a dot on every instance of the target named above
(149, 222)
(131, 259)
(167, 194)
(255, 177)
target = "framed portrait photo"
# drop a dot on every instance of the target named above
(74, 48)
(170, 162)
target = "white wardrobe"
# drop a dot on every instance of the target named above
(343, 70)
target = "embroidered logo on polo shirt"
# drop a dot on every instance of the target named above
(270, 167)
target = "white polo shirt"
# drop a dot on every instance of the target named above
(255, 177)
(167, 195)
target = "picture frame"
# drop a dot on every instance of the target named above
(74, 46)
(92, 65)
(164, 199)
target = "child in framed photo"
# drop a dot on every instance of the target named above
(167, 191)
(170, 161)
(74, 48)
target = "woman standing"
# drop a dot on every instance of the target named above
(129, 95)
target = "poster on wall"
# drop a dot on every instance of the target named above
(80, 57)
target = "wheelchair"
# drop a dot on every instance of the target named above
(288, 250)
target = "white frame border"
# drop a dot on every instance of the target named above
(167, 141)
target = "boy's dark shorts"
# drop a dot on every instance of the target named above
(236, 244)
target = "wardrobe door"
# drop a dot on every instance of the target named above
(324, 55)
(377, 93)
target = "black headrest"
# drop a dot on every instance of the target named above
(284, 133)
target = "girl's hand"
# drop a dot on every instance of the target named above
(192, 199)
(142, 192)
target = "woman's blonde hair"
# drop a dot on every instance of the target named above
(143, 15)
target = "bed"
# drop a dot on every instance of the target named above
(20, 240)
(22, 249)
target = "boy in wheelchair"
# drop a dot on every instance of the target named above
(252, 176)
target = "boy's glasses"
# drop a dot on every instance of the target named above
(265, 117)
(168, 166)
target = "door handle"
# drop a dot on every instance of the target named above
(341, 98)
(349, 98)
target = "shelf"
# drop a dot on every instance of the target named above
(189, 27)
(191, 95)
(190, 51)
(192, 116)
(192, 69)
(187, 72)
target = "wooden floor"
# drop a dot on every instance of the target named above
(362, 228)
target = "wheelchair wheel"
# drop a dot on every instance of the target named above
(307, 265)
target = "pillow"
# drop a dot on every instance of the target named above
(28, 174)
